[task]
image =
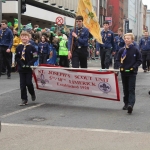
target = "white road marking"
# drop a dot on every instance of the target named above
(72, 128)
(9, 91)
(22, 110)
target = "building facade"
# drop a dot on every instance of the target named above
(133, 11)
(115, 9)
(148, 20)
(144, 17)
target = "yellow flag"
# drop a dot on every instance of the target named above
(86, 10)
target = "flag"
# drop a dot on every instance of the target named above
(90, 21)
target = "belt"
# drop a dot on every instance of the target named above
(105, 48)
(79, 47)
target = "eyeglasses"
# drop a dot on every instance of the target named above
(78, 21)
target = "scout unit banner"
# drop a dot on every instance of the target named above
(84, 82)
(86, 10)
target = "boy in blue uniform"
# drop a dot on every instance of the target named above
(129, 59)
(144, 46)
(119, 43)
(6, 42)
(107, 49)
(26, 55)
(79, 52)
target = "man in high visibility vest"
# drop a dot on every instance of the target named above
(63, 53)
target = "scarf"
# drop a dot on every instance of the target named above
(24, 51)
(2, 33)
(123, 56)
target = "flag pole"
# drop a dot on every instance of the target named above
(72, 42)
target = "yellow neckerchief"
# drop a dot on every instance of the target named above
(23, 51)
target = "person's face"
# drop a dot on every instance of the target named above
(119, 32)
(146, 34)
(24, 39)
(106, 26)
(79, 23)
(3, 25)
(128, 40)
(43, 39)
(14, 31)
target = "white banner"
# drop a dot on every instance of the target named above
(78, 81)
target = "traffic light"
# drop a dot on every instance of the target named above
(23, 6)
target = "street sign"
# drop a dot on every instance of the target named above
(126, 27)
(59, 20)
(109, 19)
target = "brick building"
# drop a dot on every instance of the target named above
(115, 9)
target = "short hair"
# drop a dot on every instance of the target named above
(25, 33)
(79, 18)
(105, 22)
(131, 35)
(4, 21)
(120, 29)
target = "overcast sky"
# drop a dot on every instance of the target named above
(146, 2)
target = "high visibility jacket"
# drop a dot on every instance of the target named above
(63, 50)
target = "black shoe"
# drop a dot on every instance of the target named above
(8, 76)
(33, 97)
(3, 73)
(24, 102)
(125, 107)
(130, 109)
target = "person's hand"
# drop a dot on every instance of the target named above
(97, 52)
(69, 55)
(74, 34)
(8, 50)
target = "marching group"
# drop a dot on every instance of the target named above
(36, 46)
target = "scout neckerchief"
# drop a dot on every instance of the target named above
(119, 40)
(146, 39)
(2, 33)
(24, 51)
(123, 56)
(79, 30)
(105, 36)
(42, 47)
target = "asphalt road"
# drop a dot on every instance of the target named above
(70, 122)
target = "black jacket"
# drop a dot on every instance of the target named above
(30, 57)
(133, 60)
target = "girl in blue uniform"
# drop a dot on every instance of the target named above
(43, 50)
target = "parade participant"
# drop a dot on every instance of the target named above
(119, 43)
(144, 46)
(26, 55)
(16, 42)
(6, 42)
(53, 52)
(107, 48)
(63, 52)
(79, 51)
(43, 50)
(129, 59)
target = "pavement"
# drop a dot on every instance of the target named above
(57, 121)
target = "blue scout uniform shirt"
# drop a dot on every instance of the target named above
(108, 41)
(144, 44)
(133, 59)
(43, 48)
(6, 38)
(82, 39)
(119, 42)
